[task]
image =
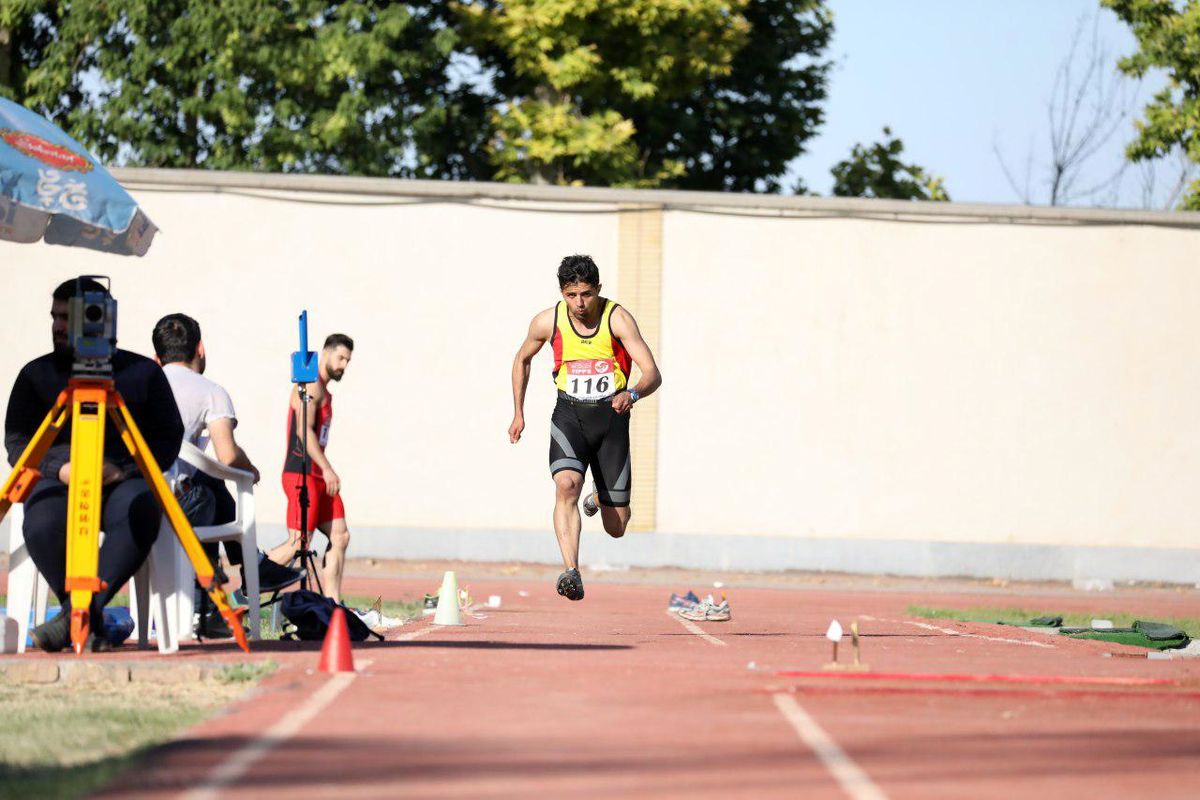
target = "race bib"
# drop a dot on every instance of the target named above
(590, 379)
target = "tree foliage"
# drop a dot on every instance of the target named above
(714, 94)
(564, 67)
(740, 130)
(703, 94)
(301, 86)
(1168, 36)
(877, 171)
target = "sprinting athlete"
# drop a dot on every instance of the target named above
(325, 510)
(595, 341)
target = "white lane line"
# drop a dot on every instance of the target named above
(408, 637)
(849, 775)
(952, 632)
(696, 629)
(243, 759)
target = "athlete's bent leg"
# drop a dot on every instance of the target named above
(335, 557)
(616, 520)
(285, 553)
(568, 484)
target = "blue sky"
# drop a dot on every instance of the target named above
(953, 79)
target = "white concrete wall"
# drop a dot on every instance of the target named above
(835, 377)
(945, 382)
(437, 299)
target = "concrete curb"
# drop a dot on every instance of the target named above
(73, 671)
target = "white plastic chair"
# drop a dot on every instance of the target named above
(165, 582)
(27, 589)
(161, 591)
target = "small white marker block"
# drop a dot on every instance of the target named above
(493, 601)
(834, 634)
(8, 635)
(1103, 624)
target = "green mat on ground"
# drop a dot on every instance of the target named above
(1037, 622)
(1154, 635)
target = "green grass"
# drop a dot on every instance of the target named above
(404, 609)
(60, 741)
(1078, 619)
(245, 673)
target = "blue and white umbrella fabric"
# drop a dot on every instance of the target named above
(51, 188)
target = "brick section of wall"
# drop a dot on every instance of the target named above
(639, 279)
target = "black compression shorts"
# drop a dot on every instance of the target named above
(592, 435)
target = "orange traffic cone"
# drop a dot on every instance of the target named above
(335, 652)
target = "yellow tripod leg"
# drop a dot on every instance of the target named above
(88, 416)
(21, 480)
(205, 574)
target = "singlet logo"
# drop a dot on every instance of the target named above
(47, 152)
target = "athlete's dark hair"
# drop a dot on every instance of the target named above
(335, 340)
(578, 269)
(176, 337)
(66, 289)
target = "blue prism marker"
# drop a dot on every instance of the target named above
(304, 361)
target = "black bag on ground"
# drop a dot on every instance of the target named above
(310, 613)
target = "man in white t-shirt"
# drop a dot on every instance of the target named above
(208, 416)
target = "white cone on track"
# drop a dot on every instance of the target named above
(447, 607)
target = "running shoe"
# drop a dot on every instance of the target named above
(570, 585)
(54, 635)
(589, 503)
(271, 576)
(429, 605)
(213, 626)
(678, 603)
(708, 610)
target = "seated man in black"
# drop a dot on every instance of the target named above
(130, 513)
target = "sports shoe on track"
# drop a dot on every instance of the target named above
(680, 602)
(708, 610)
(570, 585)
(589, 503)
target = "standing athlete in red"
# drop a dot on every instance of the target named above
(595, 344)
(325, 511)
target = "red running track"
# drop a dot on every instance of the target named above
(611, 697)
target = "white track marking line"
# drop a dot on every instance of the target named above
(408, 637)
(696, 629)
(243, 759)
(849, 775)
(952, 632)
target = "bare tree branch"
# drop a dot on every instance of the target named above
(1090, 102)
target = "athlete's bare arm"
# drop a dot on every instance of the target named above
(540, 331)
(308, 418)
(625, 328)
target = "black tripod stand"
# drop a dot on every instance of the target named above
(304, 372)
(305, 556)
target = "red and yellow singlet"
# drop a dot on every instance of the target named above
(590, 368)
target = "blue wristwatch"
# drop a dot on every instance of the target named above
(633, 395)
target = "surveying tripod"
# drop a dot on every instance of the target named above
(86, 400)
